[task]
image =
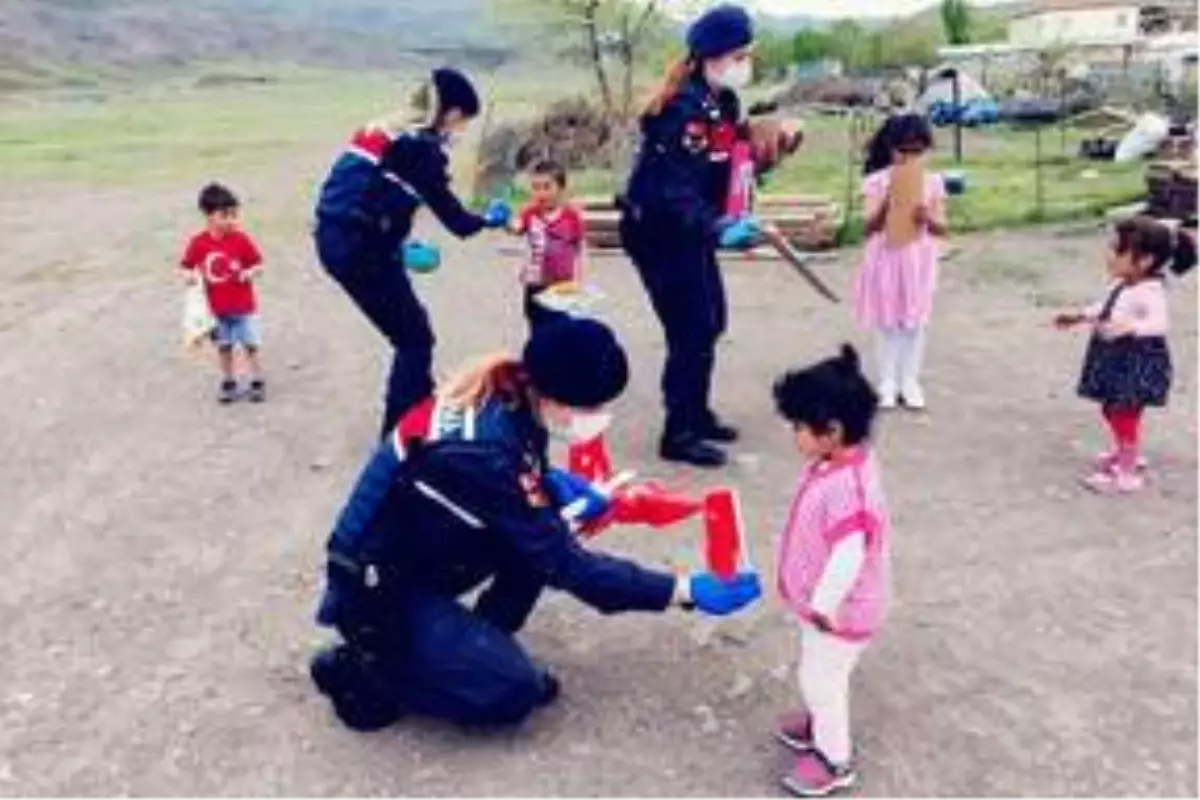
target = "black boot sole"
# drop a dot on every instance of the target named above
(712, 458)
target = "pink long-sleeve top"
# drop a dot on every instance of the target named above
(1141, 305)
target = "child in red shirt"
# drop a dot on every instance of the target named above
(227, 260)
(555, 232)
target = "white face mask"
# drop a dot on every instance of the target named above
(737, 75)
(583, 427)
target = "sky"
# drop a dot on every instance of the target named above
(836, 9)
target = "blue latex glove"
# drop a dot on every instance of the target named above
(741, 233)
(566, 488)
(420, 257)
(497, 214)
(718, 597)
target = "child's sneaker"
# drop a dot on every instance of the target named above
(815, 776)
(913, 396)
(795, 731)
(889, 396)
(228, 392)
(258, 391)
(1114, 481)
(1107, 462)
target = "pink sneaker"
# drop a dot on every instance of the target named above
(1114, 482)
(795, 731)
(815, 776)
(1107, 462)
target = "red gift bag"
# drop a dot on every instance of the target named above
(723, 543)
(651, 504)
(589, 460)
(740, 200)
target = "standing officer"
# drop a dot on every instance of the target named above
(672, 221)
(365, 213)
(461, 494)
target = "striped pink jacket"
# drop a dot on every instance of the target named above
(836, 499)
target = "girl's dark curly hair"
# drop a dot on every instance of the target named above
(831, 391)
(1144, 237)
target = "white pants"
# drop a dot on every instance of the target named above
(900, 353)
(826, 663)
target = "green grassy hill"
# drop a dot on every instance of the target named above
(83, 42)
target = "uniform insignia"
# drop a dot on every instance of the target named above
(531, 485)
(695, 136)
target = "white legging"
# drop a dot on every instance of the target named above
(900, 353)
(826, 663)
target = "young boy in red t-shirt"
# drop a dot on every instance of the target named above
(555, 232)
(227, 260)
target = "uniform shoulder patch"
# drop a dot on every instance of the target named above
(695, 136)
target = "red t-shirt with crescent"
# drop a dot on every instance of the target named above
(221, 261)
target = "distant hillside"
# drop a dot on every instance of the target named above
(56, 42)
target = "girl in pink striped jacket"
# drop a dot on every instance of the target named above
(834, 571)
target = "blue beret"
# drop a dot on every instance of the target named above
(577, 362)
(720, 30)
(454, 90)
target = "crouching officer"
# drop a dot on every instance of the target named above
(673, 221)
(457, 497)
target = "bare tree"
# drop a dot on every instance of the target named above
(613, 37)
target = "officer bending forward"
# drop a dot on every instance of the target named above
(457, 497)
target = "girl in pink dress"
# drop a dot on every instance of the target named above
(834, 561)
(893, 294)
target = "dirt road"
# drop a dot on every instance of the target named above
(162, 553)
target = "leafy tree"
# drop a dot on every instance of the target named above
(956, 21)
(811, 44)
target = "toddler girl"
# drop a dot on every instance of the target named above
(1128, 365)
(834, 568)
(894, 289)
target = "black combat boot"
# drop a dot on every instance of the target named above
(341, 675)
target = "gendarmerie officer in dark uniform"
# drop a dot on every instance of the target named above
(365, 213)
(672, 222)
(461, 494)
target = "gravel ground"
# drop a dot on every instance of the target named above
(163, 552)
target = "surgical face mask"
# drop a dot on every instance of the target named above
(582, 426)
(737, 75)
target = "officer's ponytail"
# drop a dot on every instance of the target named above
(678, 73)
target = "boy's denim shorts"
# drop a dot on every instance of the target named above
(240, 329)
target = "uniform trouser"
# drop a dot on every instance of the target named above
(379, 285)
(435, 657)
(680, 272)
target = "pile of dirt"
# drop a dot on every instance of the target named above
(574, 132)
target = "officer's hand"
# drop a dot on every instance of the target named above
(574, 494)
(742, 233)
(497, 214)
(719, 597)
(420, 257)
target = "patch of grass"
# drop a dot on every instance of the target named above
(1000, 166)
(175, 130)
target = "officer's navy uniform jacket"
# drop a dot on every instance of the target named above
(446, 503)
(364, 213)
(669, 227)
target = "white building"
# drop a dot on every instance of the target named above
(1048, 23)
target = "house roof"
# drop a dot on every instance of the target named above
(1034, 7)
